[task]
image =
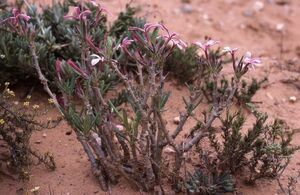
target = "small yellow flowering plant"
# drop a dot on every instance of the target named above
(17, 123)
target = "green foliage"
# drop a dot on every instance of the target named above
(264, 149)
(243, 95)
(55, 39)
(208, 183)
(183, 64)
(125, 20)
(246, 92)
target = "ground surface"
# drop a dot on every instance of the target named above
(271, 31)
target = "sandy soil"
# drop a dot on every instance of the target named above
(271, 31)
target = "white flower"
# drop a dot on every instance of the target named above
(96, 59)
(229, 50)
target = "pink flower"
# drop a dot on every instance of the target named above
(77, 69)
(58, 68)
(100, 7)
(78, 14)
(175, 41)
(179, 43)
(91, 44)
(94, 3)
(249, 61)
(17, 15)
(173, 38)
(206, 45)
(229, 50)
(125, 43)
(149, 26)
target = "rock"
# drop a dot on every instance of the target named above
(248, 13)
(282, 2)
(270, 96)
(230, 1)
(38, 142)
(186, 8)
(242, 26)
(258, 6)
(205, 16)
(176, 11)
(69, 132)
(293, 99)
(44, 135)
(176, 120)
(280, 27)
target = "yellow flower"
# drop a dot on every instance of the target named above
(35, 189)
(10, 92)
(26, 104)
(35, 106)
(51, 101)
(2, 121)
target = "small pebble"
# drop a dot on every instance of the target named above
(230, 1)
(280, 27)
(248, 13)
(38, 142)
(293, 99)
(205, 16)
(270, 96)
(258, 6)
(186, 8)
(44, 135)
(282, 2)
(242, 26)
(176, 11)
(69, 132)
(176, 120)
